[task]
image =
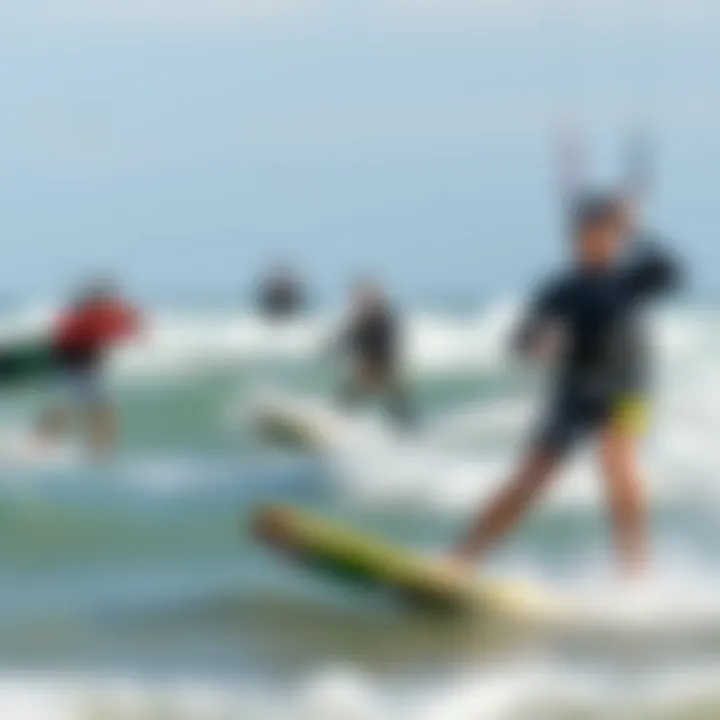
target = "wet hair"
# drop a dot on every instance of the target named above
(96, 288)
(592, 209)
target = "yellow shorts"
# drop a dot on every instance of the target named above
(631, 414)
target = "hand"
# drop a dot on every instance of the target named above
(547, 344)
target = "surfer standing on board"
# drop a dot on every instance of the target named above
(587, 321)
(371, 338)
(82, 336)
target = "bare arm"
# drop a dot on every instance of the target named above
(536, 336)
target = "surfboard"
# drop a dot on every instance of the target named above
(25, 361)
(350, 556)
(287, 425)
(305, 424)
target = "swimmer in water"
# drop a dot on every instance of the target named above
(372, 339)
(281, 295)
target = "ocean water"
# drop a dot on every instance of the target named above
(133, 590)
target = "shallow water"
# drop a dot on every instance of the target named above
(134, 588)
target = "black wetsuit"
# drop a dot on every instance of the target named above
(604, 359)
(372, 341)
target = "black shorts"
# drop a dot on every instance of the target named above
(571, 419)
(575, 416)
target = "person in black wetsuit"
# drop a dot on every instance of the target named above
(372, 339)
(589, 321)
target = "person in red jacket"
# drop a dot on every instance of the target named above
(82, 336)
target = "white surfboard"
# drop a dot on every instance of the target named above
(309, 424)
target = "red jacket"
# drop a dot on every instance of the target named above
(95, 327)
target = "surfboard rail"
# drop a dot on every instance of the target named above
(352, 556)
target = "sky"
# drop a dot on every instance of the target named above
(187, 144)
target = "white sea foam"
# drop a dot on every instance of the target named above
(548, 691)
(181, 342)
(447, 469)
(436, 343)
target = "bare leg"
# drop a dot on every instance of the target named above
(618, 452)
(509, 505)
(102, 431)
(52, 425)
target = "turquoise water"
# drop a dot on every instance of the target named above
(143, 568)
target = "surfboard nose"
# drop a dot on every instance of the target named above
(271, 524)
